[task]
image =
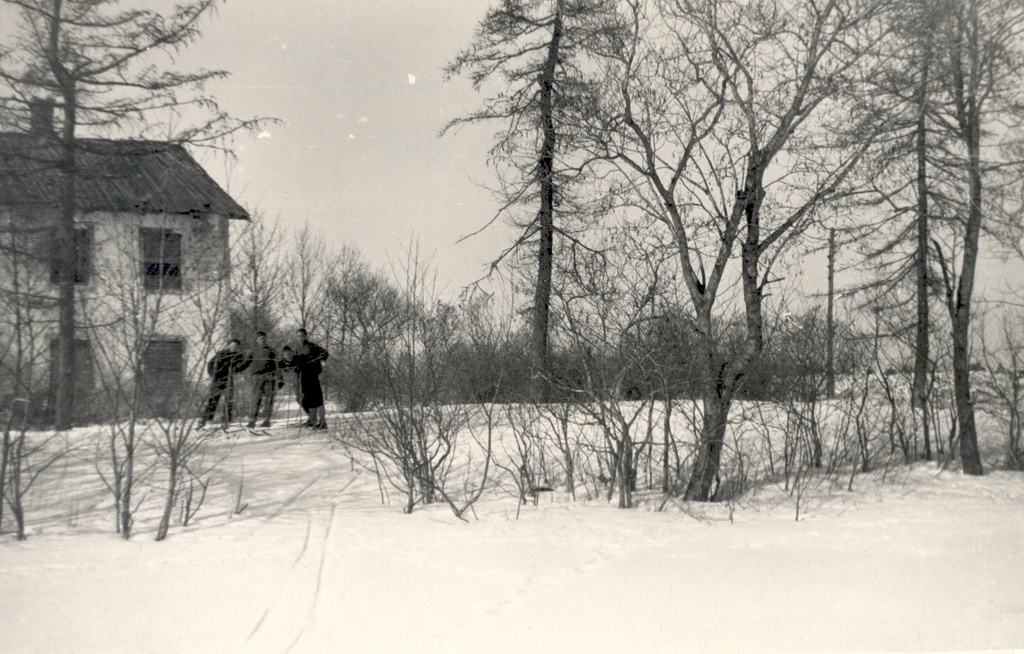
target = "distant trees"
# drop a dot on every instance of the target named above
(1001, 392)
(258, 276)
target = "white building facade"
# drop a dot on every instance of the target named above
(152, 275)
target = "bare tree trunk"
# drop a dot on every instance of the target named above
(14, 493)
(64, 400)
(724, 379)
(169, 501)
(709, 452)
(627, 476)
(4, 458)
(920, 397)
(667, 433)
(545, 217)
(128, 477)
(970, 122)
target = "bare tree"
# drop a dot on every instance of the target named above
(24, 305)
(258, 275)
(602, 309)
(734, 125)
(535, 47)
(152, 327)
(308, 269)
(1001, 387)
(979, 47)
(909, 186)
(363, 311)
(413, 428)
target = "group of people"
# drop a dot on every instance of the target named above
(266, 372)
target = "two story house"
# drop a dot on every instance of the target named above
(152, 269)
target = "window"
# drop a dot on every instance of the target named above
(163, 374)
(161, 258)
(82, 258)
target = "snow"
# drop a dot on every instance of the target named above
(914, 559)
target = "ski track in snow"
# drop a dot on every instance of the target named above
(284, 622)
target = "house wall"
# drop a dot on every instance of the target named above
(117, 314)
(197, 313)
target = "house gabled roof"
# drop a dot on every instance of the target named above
(114, 176)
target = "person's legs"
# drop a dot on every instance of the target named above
(229, 403)
(257, 400)
(310, 416)
(320, 419)
(268, 408)
(211, 404)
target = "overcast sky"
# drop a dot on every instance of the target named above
(359, 86)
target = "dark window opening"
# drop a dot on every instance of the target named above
(163, 375)
(161, 258)
(82, 262)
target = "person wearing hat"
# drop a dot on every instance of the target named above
(266, 379)
(222, 369)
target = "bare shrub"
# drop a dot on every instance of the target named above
(1000, 392)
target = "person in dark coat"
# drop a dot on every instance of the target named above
(315, 356)
(306, 364)
(222, 369)
(266, 379)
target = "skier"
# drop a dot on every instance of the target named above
(222, 368)
(311, 396)
(266, 379)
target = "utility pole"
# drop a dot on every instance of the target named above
(830, 328)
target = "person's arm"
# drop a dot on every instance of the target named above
(243, 362)
(321, 354)
(278, 375)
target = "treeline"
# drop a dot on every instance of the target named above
(475, 345)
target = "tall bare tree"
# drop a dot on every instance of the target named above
(978, 53)
(106, 69)
(909, 187)
(533, 52)
(733, 125)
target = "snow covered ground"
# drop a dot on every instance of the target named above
(922, 560)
